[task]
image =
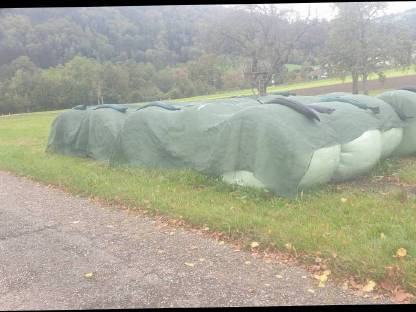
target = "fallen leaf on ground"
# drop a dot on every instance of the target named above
(386, 285)
(221, 243)
(201, 259)
(288, 246)
(343, 199)
(88, 275)
(311, 291)
(355, 285)
(322, 278)
(369, 286)
(247, 262)
(327, 272)
(402, 296)
(190, 264)
(400, 253)
(279, 276)
(254, 244)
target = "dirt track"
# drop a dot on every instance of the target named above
(390, 83)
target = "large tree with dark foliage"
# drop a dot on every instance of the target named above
(361, 42)
(264, 34)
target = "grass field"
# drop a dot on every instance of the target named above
(355, 228)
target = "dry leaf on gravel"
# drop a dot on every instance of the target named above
(401, 296)
(279, 276)
(369, 286)
(190, 264)
(88, 275)
(254, 244)
(322, 278)
(386, 285)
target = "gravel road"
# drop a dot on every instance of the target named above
(62, 252)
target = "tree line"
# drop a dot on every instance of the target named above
(53, 58)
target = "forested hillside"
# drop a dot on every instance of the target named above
(54, 58)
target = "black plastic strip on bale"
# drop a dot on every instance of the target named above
(80, 107)
(408, 88)
(295, 105)
(112, 106)
(159, 104)
(321, 109)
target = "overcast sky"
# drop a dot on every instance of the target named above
(325, 10)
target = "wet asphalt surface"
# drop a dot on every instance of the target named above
(58, 251)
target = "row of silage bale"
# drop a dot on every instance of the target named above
(347, 159)
(350, 159)
(356, 146)
(87, 131)
(404, 103)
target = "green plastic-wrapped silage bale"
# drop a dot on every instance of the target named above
(242, 178)
(404, 103)
(407, 145)
(63, 137)
(323, 164)
(390, 140)
(102, 131)
(359, 156)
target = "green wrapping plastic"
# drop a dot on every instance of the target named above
(390, 140)
(239, 138)
(407, 145)
(404, 103)
(358, 156)
(323, 164)
(242, 178)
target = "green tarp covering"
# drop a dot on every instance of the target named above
(274, 143)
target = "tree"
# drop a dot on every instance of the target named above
(362, 42)
(265, 35)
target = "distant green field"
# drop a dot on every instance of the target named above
(292, 67)
(301, 85)
(355, 228)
